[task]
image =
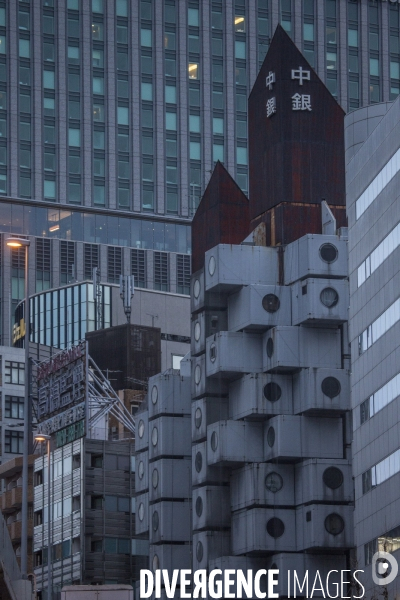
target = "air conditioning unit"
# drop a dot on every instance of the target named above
(209, 545)
(204, 324)
(262, 484)
(259, 307)
(202, 472)
(227, 268)
(211, 507)
(228, 354)
(263, 530)
(304, 568)
(169, 436)
(231, 443)
(142, 472)
(322, 480)
(260, 395)
(170, 478)
(200, 299)
(324, 526)
(288, 349)
(320, 302)
(315, 255)
(169, 393)
(203, 385)
(142, 431)
(293, 438)
(205, 412)
(170, 521)
(142, 513)
(318, 391)
(170, 557)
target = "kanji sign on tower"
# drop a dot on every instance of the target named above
(301, 75)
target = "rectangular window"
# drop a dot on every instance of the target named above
(14, 372)
(13, 442)
(67, 261)
(43, 264)
(183, 273)
(138, 267)
(378, 184)
(114, 264)
(161, 275)
(379, 327)
(14, 407)
(379, 255)
(380, 472)
(381, 398)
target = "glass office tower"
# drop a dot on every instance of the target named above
(122, 107)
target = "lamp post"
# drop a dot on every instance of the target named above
(15, 242)
(42, 437)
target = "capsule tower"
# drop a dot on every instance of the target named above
(271, 469)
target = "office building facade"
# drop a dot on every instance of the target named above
(61, 317)
(373, 209)
(122, 109)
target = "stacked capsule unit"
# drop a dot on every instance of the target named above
(163, 467)
(271, 472)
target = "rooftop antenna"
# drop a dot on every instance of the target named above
(126, 291)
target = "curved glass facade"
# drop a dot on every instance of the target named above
(61, 317)
(93, 227)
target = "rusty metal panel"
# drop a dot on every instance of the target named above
(294, 155)
(221, 218)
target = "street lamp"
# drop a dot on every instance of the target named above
(42, 437)
(16, 242)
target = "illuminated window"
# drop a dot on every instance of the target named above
(193, 70)
(240, 24)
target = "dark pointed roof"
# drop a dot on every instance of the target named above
(295, 156)
(221, 218)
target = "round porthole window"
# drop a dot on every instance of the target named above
(211, 266)
(333, 478)
(198, 415)
(271, 303)
(199, 506)
(141, 470)
(199, 551)
(270, 347)
(213, 352)
(271, 437)
(214, 441)
(272, 391)
(330, 387)
(154, 394)
(141, 511)
(141, 429)
(275, 527)
(197, 374)
(198, 462)
(273, 482)
(155, 520)
(154, 436)
(197, 331)
(329, 297)
(156, 563)
(334, 524)
(328, 253)
(154, 478)
(196, 288)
